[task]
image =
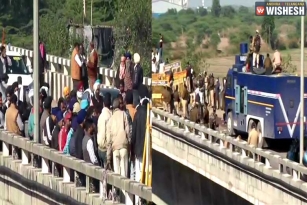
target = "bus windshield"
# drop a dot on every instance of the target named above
(18, 66)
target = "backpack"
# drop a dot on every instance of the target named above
(292, 154)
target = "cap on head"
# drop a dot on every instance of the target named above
(136, 58)
(257, 31)
(80, 86)
(66, 91)
(76, 108)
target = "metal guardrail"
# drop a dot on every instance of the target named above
(60, 62)
(10, 142)
(205, 135)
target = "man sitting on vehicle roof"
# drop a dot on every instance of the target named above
(268, 64)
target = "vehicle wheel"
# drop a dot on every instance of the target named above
(249, 127)
(262, 142)
(230, 129)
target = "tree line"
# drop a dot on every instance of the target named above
(134, 15)
(235, 23)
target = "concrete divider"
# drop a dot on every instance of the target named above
(64, 185)
(247, 157)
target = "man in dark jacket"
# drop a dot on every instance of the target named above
(55, 133)
(138, 132)
(138, 72)
(54, 142)
(75, 148)
(78, 136)
(42, 62)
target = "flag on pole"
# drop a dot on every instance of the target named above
(3, 36)
(84, 8)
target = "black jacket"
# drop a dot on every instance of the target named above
(55, 138)
(138, 131)
(137, 76)
(49, 126)
(78, 137)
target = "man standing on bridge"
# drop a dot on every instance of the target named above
(13, 121)
(42, 61)
(92, 65)
(253, 136)
(5, 62)
(76, 65)
(138, 133)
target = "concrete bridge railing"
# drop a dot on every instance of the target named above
(287, 173)
(58, 72)
(64, 185)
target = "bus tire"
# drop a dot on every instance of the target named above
(262, 141)
(230, 129)
(249, 127)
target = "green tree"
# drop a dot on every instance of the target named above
(216, 8)
(287, 65)
(133, 30)
(298, 29)
(202, 11)
(215, 40)
(243, 10)
(267, 28)
(228, 11)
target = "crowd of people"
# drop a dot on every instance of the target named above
(194, 99)
(106, 130)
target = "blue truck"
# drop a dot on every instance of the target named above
(270, 101)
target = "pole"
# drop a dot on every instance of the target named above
(147, 145)
(36, 69)
(91, 12)
(302, 92)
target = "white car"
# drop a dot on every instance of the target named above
(18, 68)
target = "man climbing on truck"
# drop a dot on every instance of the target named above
(277, 60)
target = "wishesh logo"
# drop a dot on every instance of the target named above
(260, 10)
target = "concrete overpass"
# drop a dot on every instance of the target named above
(236, 168)
(21, 183)
(187, 165)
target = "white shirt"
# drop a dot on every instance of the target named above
(91, 152)
(49, 132)
(201, 94)
(78, 60)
